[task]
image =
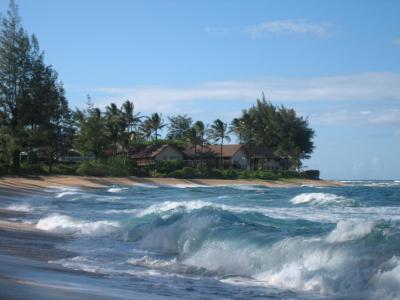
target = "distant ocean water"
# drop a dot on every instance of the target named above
(230, 242)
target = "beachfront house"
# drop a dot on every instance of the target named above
(149, 154)
(233, 156)
(265, 159)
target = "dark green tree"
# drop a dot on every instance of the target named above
(178, 127)
(92, 138)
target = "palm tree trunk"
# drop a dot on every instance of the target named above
(221, 162)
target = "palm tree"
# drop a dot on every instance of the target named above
(115, 125)
(155, 123)
(243, 127)
(132, 120)
(218, 132)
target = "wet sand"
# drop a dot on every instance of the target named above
(26, 274)
(26, 185)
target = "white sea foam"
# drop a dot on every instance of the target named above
(386, 282)
(319, 213)
(350, 230)
(188, 185)
(146, 185)
(148, 262)
(116, 190)
(67, 193)
(308, 264)
(121, 211)
(20, 207)
(318, 198)
(247, 187)
(65, 224)
(173, 205)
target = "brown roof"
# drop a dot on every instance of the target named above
(148, 151)
(213, 150)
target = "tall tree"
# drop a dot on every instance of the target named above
(155, 123)
(15, 51)
(275, 129)
(179, 127)
(219, 133)
(244, 127)
(116, 125)
(132, 119)
(92, 137)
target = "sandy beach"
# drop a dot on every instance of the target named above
(27, 184)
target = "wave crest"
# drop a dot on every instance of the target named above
(65, 224)
(319, 199)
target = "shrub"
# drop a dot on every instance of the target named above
(244, 174)
(32, 169)
(229, 174)
(311, 174)
(289, 174)
(267, 175)
(107, 168)
(65, 169)
(168, 166)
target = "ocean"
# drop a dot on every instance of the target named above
(223, 242)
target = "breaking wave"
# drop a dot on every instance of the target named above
(20, 207)
(116, 190)
(218, 241)
(66, 225)
(319, 199)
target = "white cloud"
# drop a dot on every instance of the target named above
(289, 27)
(379, 117)
(363, 86)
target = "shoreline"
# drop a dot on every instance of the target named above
(25, 185)
(18, 186)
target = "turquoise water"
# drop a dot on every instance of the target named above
(232, 242)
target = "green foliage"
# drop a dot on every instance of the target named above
(311, 174)
(33, 169)
(168, 166)
(152, 125)
(178, 127)
(106, 168)
(34, 112)
(65, 169)
(275, 128)
(229, 174)
(265, 175)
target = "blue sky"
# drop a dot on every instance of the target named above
(335, 62)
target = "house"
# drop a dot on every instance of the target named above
(265, 159)
(149, 154)
(74, 156)
(232, 155)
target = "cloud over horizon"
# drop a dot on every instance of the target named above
(299, 27)
(285, 27)
(362, 86)
(359, 88)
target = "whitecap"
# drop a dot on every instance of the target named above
(20, 207)
(121, 211)
(318, 198)
(172, 206)
(350, 230)
(116, 190)
(146, 185)
(68, 193)
(65, 224)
